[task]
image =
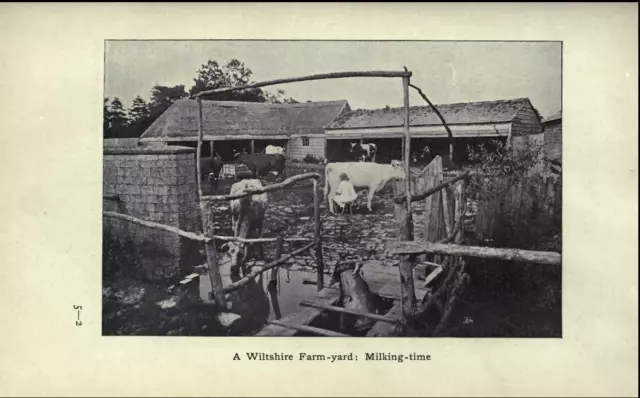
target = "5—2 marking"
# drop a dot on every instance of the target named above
(78, 308)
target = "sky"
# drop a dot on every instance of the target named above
(447, 72)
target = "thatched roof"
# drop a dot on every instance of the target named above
(502, 111)
(243, 120)
(557, 116)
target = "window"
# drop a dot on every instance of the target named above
(305, 141)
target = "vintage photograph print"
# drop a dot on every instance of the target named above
(332, 188)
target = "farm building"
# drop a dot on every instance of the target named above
(513, 121)
(553, 137)
(229, 126)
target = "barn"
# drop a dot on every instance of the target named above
(472, 123)
(250, 126)
(553, 137)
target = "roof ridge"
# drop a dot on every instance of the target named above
(265, 104)
(446, 104)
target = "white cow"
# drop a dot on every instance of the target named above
(247, 217)
(372, 176)
(274, 150)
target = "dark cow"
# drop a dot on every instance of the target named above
(210, 168)
(260, 163)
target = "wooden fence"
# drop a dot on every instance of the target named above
(516, 210)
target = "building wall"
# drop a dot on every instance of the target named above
(156, 184)
(525, 123)
(553, 140)
(296, 149)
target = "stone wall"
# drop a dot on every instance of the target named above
(155, 184)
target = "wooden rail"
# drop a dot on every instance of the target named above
(322, 76)
(420, 247)
(259, 240)
(431, 191)
(268, 188)
(155, 225)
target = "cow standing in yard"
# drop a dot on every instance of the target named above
(260, 163)
(372, 176)
(274, 150)
(247, 220)
(364, 152)
(210, 168)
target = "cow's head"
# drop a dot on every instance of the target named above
(397, 172)
(234, 252)
(353, 145)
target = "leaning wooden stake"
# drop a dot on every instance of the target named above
(206, 212)
(317, 236)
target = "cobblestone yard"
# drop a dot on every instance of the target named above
(363, 233)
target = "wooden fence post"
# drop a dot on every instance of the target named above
(206, 212)
(405, 268)
(317, 233)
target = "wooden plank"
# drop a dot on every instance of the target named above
(419, 247)
(384, 329)
(309, 329)
(333, 308)
(303, 317)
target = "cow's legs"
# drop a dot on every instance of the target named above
(370, 198)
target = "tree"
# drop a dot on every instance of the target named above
(115, 121)
(138, 116)
(161, 99)
(106, 117)
(234, 73)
